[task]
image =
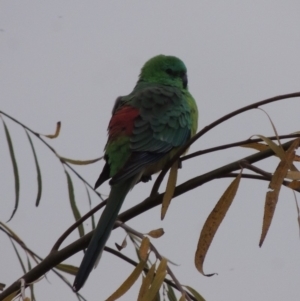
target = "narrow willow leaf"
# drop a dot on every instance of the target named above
(73, 204)
(278, 150)
(57, 131)
(194, 293)
(156, 284)
(67, 268)
(182, 298)
(213, 222)
(90, 204)
(31, 286)
(255, 145)
(38, 171)
(156, 233)
(144, 248)
(123, 245)
(162, 267)
(12, 233)
(171, 295)
(298, 212)
(294, 185)
(80, 162)
(169, 189)
(11, 296)
(146, 282)
(15, 169)
(127, 284)
(275, 185)
(293, 175)
(19, 257)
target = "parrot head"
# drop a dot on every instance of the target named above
(165, 70)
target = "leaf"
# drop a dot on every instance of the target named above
(31, 285)
(294, 185)
(275, 185)
(293, 175)
(144, 248)
(90, 204)
(156, 284)
(123, 245)
(80, 162)
(170, 293)
(278, 150)
(11, 296)
(38, 171)
(57, 131)
(195, 293)
(15, 168)
(73, 204)
(156, 233)
(13, 234)
(169, 189)
(19, 257)
(255, 145)
(213, 222)
(146, 282)
(127, 284)
(67, 268)
(162, 267)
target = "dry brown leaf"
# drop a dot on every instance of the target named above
(255, 145)
(213, 222)
(146, 282)
(169, 189)
(293, 175)
(126, 285)
(294, 185)
(156, 233)
(275, 185)
(144, 248)
(57, 130)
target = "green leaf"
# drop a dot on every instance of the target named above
(67, 268)
(38, 171)
(19, 257)
(15, 168)
(73, 204)
(194, 293)
(90, 203)
(171, 295)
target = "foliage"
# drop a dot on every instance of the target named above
(158, 280)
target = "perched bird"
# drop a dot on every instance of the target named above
(145, 130)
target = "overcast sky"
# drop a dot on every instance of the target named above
(68, 61)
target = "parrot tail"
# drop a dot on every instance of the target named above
(102, 232)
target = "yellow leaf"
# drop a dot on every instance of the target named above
(67, 268)
(57, 131)
(194, 293)
(156, 233)
(294, 185)
(144, 248)
(278, 150)
(11, 296)
(255, 145)
(293, 175)
(275, 185)
(156, 284)
(79, 162)
(126, 285)
(162, 267)
(213, 222)
(169, 190)
(146, 282)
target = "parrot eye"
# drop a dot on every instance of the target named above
(170, 72)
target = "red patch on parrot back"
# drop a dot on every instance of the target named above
(122, 122)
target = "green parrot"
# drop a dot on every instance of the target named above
(145, 130)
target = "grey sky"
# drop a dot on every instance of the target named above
(69, 60)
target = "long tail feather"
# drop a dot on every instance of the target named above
(106, 222)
